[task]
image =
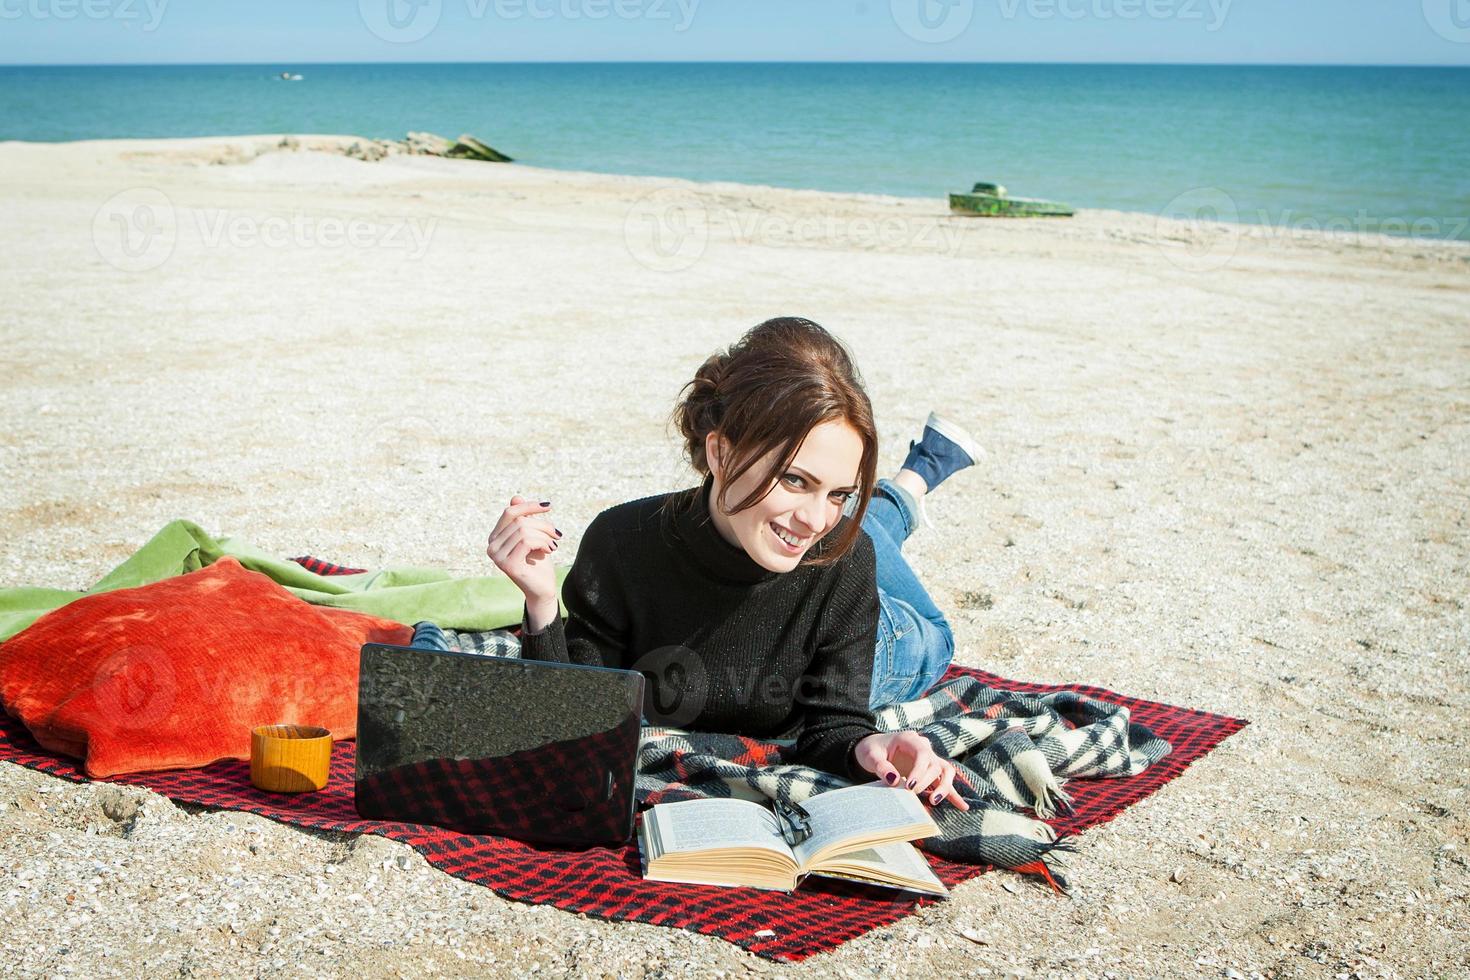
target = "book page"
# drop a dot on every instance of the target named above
(897, 865)
(702, 825)
(859, 811)
(899, 860)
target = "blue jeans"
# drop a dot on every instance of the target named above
(915, 642)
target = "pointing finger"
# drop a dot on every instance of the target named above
(528, 507)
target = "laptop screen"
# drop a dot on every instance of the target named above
(493, 745)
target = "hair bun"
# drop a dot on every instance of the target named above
(714, 370)
(702, 409)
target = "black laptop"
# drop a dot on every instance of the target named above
(495, 745)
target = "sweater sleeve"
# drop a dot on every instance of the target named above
(836, 687)
(596, 629)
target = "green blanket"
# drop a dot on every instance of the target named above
(406, 595)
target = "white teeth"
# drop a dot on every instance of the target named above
(794, 542)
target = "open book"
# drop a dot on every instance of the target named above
(859, 832)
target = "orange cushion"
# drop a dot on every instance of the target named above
(175, 674)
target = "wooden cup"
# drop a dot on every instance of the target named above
(290, 758)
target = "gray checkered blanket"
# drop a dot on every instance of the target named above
(1013, 753)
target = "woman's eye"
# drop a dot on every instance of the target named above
(796, 481)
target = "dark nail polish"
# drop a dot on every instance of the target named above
(892, 778)
(545, 503)
(936, 797)
(912, 783)
(558, 532)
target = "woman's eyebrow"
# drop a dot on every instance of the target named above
(804, 473)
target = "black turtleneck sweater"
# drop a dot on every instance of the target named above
(726, 645)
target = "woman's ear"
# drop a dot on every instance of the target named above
(714, 453)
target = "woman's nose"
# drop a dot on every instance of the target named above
(807, 521)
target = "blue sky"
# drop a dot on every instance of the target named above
(305, 31)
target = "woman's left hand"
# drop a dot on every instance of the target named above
(907, 759)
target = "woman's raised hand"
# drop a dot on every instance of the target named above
(521, 545)
(908, 760)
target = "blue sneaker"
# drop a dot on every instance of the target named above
(943, 450)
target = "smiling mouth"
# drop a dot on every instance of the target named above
(786, 537)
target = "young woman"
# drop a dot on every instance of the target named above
(773, 599)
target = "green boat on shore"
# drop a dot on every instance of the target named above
(992, 201)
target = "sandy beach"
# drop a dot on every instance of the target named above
(1228, 469)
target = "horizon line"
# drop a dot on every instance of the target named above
(736, 61)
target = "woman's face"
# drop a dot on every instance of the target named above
(804, 504)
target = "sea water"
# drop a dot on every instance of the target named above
(1352, 148)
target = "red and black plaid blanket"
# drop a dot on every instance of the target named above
(605, 882)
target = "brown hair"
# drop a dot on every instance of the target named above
(765, 393)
